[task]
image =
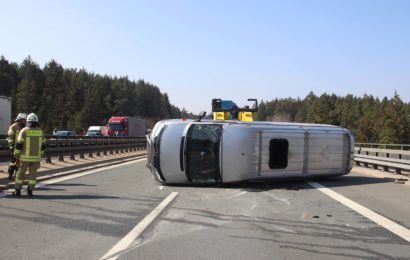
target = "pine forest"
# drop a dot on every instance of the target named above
(75, 99)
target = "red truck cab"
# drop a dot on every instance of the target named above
(126, 126)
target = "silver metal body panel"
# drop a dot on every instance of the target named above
(5, 114)
(313, 150)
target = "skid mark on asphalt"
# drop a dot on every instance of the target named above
(237, 195)
(373, 216)
(276, 198)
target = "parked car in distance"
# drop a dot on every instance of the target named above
(65, 134)
(95, 131)
(94, 134)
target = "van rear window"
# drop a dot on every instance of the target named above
(278, 153)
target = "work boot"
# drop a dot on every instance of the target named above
(17, 193)
(11, 172)
(29, 191)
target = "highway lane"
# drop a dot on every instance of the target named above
(382, 194)
(77, 219)
(276, 221)
(84, 218)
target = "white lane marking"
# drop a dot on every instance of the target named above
(276, 198)
(72, 176)
(373, 216)
(126, 241)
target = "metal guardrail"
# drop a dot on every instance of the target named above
(383, 156)
(82, 145)
(384, 146)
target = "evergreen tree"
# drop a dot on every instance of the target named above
(261, 114)
(9, 81)
(53, 94)
(8, 77)
(29, 91)
(395, 124)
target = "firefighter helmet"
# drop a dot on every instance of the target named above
(21, 116)
(32, 118)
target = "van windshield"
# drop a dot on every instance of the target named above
(202, 153)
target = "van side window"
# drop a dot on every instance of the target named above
(278, 153)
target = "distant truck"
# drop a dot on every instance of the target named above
(126, 126)
(5, 114)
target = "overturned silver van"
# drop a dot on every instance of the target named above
(188, 151)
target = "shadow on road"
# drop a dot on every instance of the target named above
(265, 185)
(72, 184)
(40, 196)
(64, 197)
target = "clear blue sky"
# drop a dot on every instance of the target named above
(198, 50)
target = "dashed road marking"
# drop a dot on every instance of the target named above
(393, 227)
(126, 241)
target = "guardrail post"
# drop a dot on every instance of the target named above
(48, 159)
(105, 153)
(122, 150)
(72, 157)
(386, 168)
(375, 166)
(82, 156)
(111, 152)
(98, 153)
(398, 170)
(61, 158)
(90, 155)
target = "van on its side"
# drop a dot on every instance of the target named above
(188, 151)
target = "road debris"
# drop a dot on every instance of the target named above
(400, 181)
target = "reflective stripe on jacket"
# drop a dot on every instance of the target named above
(30, 145)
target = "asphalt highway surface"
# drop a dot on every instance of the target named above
(120, 212)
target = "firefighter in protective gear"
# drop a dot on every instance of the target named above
(30, 148)
(12, 135)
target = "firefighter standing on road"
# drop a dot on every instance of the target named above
(30, 148)
(12, 135)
